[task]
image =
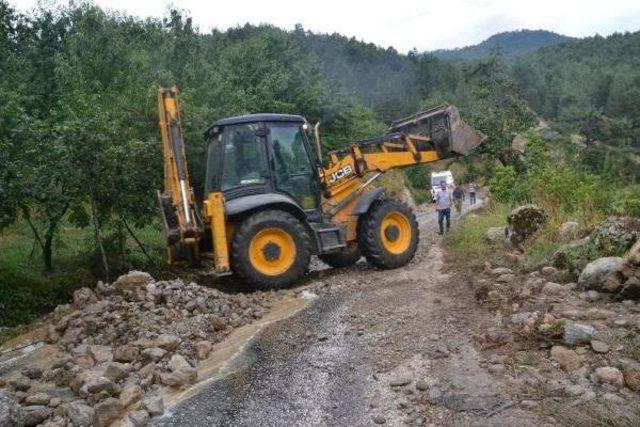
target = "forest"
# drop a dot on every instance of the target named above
(80, 157)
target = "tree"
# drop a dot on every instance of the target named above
(496, 108)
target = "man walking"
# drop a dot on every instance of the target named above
(443, 206)
(458, 197)
(472, 193)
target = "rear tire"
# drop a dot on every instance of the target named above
(270, 249)
(388, 234)
(344, 258)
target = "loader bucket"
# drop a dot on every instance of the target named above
(450, 135)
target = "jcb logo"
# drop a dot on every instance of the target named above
(340, 173)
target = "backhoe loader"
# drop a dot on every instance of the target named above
(271, 199)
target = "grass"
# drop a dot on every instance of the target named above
(542, 246)
(27, 292)
(630, 343)
(598, 414)
(467, 241)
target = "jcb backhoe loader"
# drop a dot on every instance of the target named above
(272, 200)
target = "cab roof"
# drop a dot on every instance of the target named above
(260, 117)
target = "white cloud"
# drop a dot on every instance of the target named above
(403, 24)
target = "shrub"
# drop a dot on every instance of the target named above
(627, 201)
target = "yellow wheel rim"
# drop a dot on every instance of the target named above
(395, 233)
(272, 251)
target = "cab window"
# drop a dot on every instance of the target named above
(244, 156)
(291, 165)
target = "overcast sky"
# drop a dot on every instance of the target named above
(403, 24)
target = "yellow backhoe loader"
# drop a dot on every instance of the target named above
(272, 200)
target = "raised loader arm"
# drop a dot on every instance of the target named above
(182, 224)
(426, 137)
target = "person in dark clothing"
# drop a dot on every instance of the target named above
(458, 197)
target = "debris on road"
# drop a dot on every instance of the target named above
(118, 344)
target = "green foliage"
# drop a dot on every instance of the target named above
(508, 187)
(575, 258)
(79, 135)
(418, 180)
(26, 294)
(591, 84)
(627, 201)
(550, 183)
(467, 242)
(508, 43)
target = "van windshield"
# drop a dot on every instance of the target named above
(436, 180)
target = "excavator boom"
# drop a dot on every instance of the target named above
(181, 221)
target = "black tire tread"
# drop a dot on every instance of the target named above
(241, 265)
(369, 234)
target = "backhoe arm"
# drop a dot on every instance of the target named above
(181, 221)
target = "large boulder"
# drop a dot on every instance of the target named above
(133, 279)
(616, 235)
(596, 274)
(523, 222)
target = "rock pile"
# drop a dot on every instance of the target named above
(120, 343)
(585, 331)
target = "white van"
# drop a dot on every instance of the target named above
(436, 178)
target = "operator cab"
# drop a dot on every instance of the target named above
(262, 154)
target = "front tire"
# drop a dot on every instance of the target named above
(344, 258)
(270, 249)
(388, 234)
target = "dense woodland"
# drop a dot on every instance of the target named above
(508, 43)
(79, 143)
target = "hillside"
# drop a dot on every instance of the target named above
(79, 126)
(591, 85)
(509, 43)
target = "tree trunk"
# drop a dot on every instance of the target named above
(47, 247)
(138, 242)
(98, 239)
(37, 240)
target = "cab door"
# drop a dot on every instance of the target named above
(291, 166)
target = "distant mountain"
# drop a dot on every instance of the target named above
(510, 43)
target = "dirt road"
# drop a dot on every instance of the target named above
(374, 347)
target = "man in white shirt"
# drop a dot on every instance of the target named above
(443, 206)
